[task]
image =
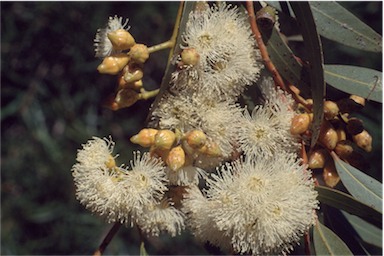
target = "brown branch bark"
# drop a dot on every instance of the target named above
(107, 239)
(263, 49)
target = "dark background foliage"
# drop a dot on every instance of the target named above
(51, 103)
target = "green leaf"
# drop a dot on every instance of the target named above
(315, 57)
(328, 243)
(284, 60)
(367, 232)
(143, 252)
(363, 187)
(343, 201)
(336, 23)
(181, 23)
(360, 81)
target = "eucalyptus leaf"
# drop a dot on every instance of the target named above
(367, 232)
(284, 60)
(143, 252)
(180, 25)
(360, 81)
(315, 57)
(337, 23)
(343, 201)
(328, 243)
(363, 187)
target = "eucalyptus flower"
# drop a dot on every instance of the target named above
(103, 45)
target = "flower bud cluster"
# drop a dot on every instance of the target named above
(261, 200)
(178, 150)
(123, 57)
(339, 132)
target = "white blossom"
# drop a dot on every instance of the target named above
(264, 206)
(103, 46)
(113, 192)
(161, 217)
(228, 61)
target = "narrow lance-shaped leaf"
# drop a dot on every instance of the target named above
(360, 81)
(284, 60)
(180, 24)
(315, 56)
(343, 201)
(363, 187)
(336, 23)
(143, 252)
(328, 243)
(367, 232)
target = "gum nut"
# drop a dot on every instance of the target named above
(328, 135)
(196, 138)
(363, 140)
(145, 138)
(359, 100)
(330, 109)
(189, 56)
(317, 159)
(164, 139)
(121, 39)
(344, 148)
(176, 158)
(139, 53)
(355, 126)
(330, 175)
(300, 123)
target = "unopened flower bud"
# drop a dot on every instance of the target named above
(359, 100)
(344, 148)
(113, 64)
(355, 126)
(300, 123)
(189, 56)
(164, 139)
(139, 53)
(196, 138)
(111, 162)
(330, 109)
(317, 159)
(133, 75)
(121, 39)
(328, 135)
(211, 149)
(126, 98)
(341, 135)
(330, 175)
(145, 138)
(176, 158)
(363, 140)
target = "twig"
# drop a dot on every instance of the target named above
(263, 49)
(162, 46)
(107, 239)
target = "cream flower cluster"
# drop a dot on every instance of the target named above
(126, 195)
(258, 198)
(257, 205)
(227, 58)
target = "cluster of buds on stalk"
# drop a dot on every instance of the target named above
(339, 132)
(176, 149)
(126, 61)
